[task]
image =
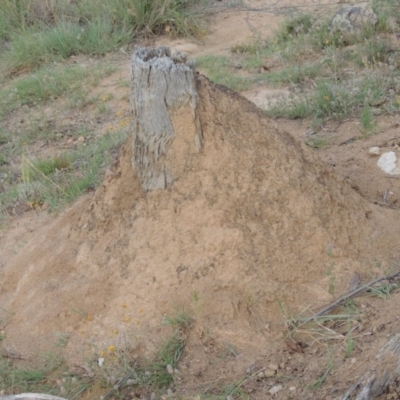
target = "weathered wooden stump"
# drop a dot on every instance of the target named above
(165, 126)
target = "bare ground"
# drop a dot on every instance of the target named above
(98, 268)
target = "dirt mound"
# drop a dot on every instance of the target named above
(254, 218)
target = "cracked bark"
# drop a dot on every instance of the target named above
(162, 85)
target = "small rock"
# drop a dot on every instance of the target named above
(274, 367)
(153, 396)
(261, 375)
(388, 163)
(275, 389)
(170, 369)
(292, 388)
(170, 393)
(374, 151)
(269, 373)
(81, 139)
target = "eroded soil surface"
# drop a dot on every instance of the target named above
(100, 273)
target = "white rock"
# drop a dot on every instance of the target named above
(388, 163)
(374, 151)
(276, 389)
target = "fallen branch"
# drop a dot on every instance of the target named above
(351, 295)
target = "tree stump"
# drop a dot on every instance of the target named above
(165, 126)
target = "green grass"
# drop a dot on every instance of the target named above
(169, 354)
(324, 375)
(39, 32)
(331, 99)
(32, 49)
(47, 84)
(181, 320)
(46, 167)
(18, 377)
(51, 375)
(334, 75)
(61, 179)
(366, 119)
(299, 109)
(220, 70)
(292, 75)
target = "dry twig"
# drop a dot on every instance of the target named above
(352, 294)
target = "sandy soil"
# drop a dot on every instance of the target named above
(257, 221)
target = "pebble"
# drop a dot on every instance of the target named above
(274, 367)
(275, 389)
(269, 373)
(170, 369)
(374, 151)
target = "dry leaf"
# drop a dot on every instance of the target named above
(294, 346)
